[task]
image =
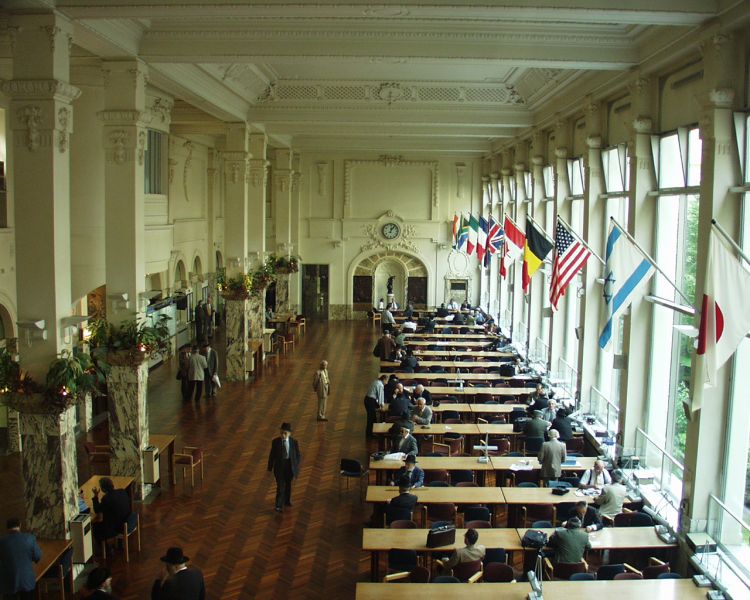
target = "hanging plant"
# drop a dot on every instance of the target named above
(235, 288)
(286, 264)
(263, 276)
(131, 343)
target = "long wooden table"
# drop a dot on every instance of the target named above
(440, 495)
(475, 409)
(451, 344)
(433, 463)
(473, 391)
(52, 551)
(464, 353)
(450, 336)
(120, 483)
(451, 376)
(621, 538)
(446, 364)
(661, 589)
(434, 429)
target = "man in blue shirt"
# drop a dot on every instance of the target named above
(17, 552)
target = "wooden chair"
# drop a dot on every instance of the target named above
(470, 572)
(286, 341)
(274, 353)
(563, 571)
(496, 572)
(537, 512)
(654, 568)
(191, 458)
(132, 525)
(416, 575)
(376, 317)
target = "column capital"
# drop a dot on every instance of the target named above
(519, 167)
(505, 171)
(485, 178)
(594, 142)
(561, 152)
(283, 179)
(494, 175)
(296, 179)
(537, 160)
(40, 89)
(120, 118)
(642, 124)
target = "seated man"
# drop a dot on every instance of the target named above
(597, 477)
(409, 312)
(392, 305)
(422, 414)
(459, 319)
(403, 502)
(570, 543)
(430, 325)
(400, 338)
(405, 442)
(471, 552)
(398, 403)
(612, 496)
(550, 413)
(563, 424)
(387, 321)
(536, 427)
(453, 305)
(442, 311)
(410, 325)
(471, 318)
(421, 392)
(588, 515)
(114, 508)
(410, 360)
(411, 472)
(538, 399)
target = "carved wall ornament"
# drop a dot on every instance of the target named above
(296, 178)
(34, 89)
(594, 141)
(391, 160)
(30, 116)
(460, 172)
(186, 168)
(639, 86)
(118, 139)
(322, 168)
(172, 165)
(391, 92)
(642, 124)
(722, 97)
(161, 108)
(141, 147)
(234, 168)
(561, 152)
(282, 180)
(52, 33)
(63, 120)
(372, 231)
(258, 172)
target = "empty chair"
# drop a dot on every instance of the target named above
(416, 575)
(655, 568)
(564, 571)
(627, 575)
(286, 340)
(402, 560)
(191, 458)
(503, 446)
(633, 519)
(97, 454)
(461, 476)
(437, 369)
(455, 441)
(440, 512)
(497, 555)
(498, 572)
(574, 445)
(468, 571)
(477, 525)
(403, 524)
(351, 468)
(527, 484)
(452, 421)
(436, 475)
(608, 572)
(582, 577)
(669, 576)
(445, 579)
(396, 513)
(520, 477)
(467, 484)
(572, 481)
(537, 512)
(451, 414)
(541, 525)
(476, 513)
(479, 370)
(438, 484)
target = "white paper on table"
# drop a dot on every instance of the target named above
(395, 456)
(521, 467)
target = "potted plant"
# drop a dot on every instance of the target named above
(131, 343)
(286, 264)
(263, 276)
(237, 287)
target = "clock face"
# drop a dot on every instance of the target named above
(391, 231)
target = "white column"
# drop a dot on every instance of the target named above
(562, 207)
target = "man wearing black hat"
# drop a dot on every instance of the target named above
(411, 471)
(570, 543)
(99, 583)
(178, 582)
(284, 461)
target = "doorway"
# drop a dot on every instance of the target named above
(315, 292)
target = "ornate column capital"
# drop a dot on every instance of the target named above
(561, 152)
(594, 142)
(537, 160)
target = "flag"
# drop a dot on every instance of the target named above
(456, 227)
(473, 229)
(494, 236)
(570, 256)
(482, 239)
(625, 274)
(536, 250)
(514, 243)
(725, 319)
(463, 233)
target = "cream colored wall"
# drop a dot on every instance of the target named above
(343, 209)
(87, 193)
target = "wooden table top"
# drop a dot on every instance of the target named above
(121, 483)
(519, 495)
(450, 336)
(448, 364)
(504, 462)
(496, 429)
(452, 344)
(473, 408)
(416, 539)
(473, 391)
(52, 550)
(441, 495)
(161, 440)
(621, 538)
(434, 429)
(460, 353)
(663, 589)
(451, 376)
(434, 463)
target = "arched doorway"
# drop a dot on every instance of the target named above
(370, 279)
(180, 275)
(6, 327)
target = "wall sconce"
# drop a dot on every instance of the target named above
(70, 324)
(35, 330)
(120, 301)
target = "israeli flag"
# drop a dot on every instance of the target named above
(625, 275)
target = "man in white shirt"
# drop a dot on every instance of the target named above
(410, 326)
(387, 320)
(597, 477)
(374, 399)
(453, 305)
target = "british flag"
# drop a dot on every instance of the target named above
(495, 237)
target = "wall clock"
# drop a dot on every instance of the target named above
(391, 231)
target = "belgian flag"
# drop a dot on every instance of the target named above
(537, 247)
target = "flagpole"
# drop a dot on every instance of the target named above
(728, 238)
(653, 263)
(580, 239)
(544, 233)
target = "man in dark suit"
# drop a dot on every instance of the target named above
(398, 403)
(403, 502)
(421, 392)
(212, 360)
(537, 426)
(442, 311)
(405, 442)
(99, 583)
(17, 552)
(178, 582)
(284, 461)
(588, 515)
(114, 508)
(411, 471)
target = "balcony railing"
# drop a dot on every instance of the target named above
(667, 470)
(605, 412)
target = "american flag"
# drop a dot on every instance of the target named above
(570, 256)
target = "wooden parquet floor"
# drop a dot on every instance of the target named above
(227, 525)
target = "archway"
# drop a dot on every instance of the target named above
(6, 326)
(197, 266)
(180, 275)
(219, 260)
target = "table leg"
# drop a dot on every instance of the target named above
(170, 454)
(374, 565)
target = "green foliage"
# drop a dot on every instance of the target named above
(235, 288)
(285, 264)
(9, 371)
(131, 336)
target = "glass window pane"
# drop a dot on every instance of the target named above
(670, 164)
(747, 150)
(695, 152)
(549, 182)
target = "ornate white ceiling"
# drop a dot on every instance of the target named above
(445, 76)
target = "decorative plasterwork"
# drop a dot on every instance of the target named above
(186, 169)
(258, 172)
(322, 168)
(125, 117)
(117, 141)
(405, 239)
(30, 116)
(389, 92)
(414, 266)
(235, 162)
(388, 160)
(63, 119)
(161, 111)
(40, 89)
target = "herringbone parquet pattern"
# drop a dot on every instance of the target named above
(227, 525)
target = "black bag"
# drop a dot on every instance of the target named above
(377, 455)
(441, 536)
(533, 538)
(560, 491)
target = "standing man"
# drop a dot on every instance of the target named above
(209, 318)
(212, 368)
(284, 461)
(386, 347)
(178, 582)
(322, 387)
(200, 321)
(196, 373)
(17, 552)
(182, 373)
(374, 399)
(551, 456)
(387, 321)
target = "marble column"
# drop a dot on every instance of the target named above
(236, 339)
(85, 412)
(256, 316)
(50, 469)
(14, 431)
(127, 387)
(282, 292)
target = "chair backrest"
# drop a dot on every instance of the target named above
(541, 525)
(403, 524)
(496, 555)
(621, 576)
(498, 572)
(419, 575)
(669, 576)
(633, 519)
(436, 475)
(465, 570)
(653, 571)
(441, 512)
(478, 525)
(608, 572)
(132, 522)
(438, 484)
(527, 484)
(572, 481)
(402, 560)
(565, 570)
(582, 577)
(450, 414)
(467, 484)
(396, 513)
(476, 513)
(532, 444)
(446, 579)
(351, 465)
(461, 475)
(526, 476)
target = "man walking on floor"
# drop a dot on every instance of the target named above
(196, 373)
(284, 461)
(322, 387)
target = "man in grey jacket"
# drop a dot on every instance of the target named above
(551, 456)
(196, 373)
(422, 414)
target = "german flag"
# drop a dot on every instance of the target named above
(537, 247)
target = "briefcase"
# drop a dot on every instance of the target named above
(441, 536)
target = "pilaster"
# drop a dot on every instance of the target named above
(237, 336)
(236, 179)
(539, 286)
